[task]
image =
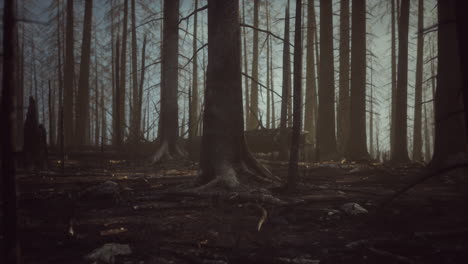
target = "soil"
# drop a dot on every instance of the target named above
(61, 223)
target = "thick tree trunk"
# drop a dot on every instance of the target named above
(82, 102)
(462, 25)
(169, 84)
(254, 117)
(69, 76)
(286, 88)
(326, 139)
(400, 155)
(417, 127)
(343, 123)
(311, 86)
(136, 109)
(225, 160)
(297, 115)
(357, 141)
(450, 136)
(10, 250)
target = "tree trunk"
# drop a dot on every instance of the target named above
(142, 80)
(462, 24)
(69, 76)
(7, 117)
(136, 109)
(417, 130)
(123, 73)
(254, 117)
(225, 160)
(357, 141)
(427, 138)
(246, 69)
(286, 88)
(51, 100)
(82, 102)
(117, 135)
(400, 155)
(193, 114)
(297, 115)
(268, 76)
(343, 123)
(169, 84)
(326, 142)
(394, 79)
(450, 136)
(311, 86)
(272, 87)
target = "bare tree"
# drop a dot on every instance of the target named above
(343, 117)
(254, 117)
(69, 76)
(417, 127)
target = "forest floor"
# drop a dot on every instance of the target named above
(64, 216)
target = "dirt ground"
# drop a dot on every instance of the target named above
(62, 219)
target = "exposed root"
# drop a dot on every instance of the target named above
(163, 153)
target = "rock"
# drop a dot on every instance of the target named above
(107, 253)
(353, 209)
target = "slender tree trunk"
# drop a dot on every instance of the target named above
(326, 142)
(7, 116)
(51, 116)
(272, 87)
(225, 159)
(193, 115)
(417, 131)
(96, 106)
(136, 109)
(311, 86)
(123, 72)
(400, 155)
(246, 69)
(69, 75)
(268, 76)
(82, 102)
(427, 138)
(343, 123)
(394, 80)
(19, 126)
(142, 80)
(371, 115)
(254, 117)
(59, 70)
(117, 135)
(297, 115)
(450, 136)
(286, 85)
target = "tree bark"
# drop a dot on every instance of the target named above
(343, 108)
(254, 117)
(246, 69)
(225, 160)
(51, 100)
(400, 155)
(462, 24)
(326, 139)
(311, 86)
(7, 116)
(69, 76)
(394, 79)
(117, 135)
(169, 84)
(194, 101)
(286, 88)
(417, 126)
(123, 74)
(136, 109)
(82, 102)
(450, 136)
(297, 115)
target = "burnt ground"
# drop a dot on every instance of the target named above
(61, 223)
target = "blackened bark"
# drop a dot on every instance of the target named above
(69, 76)
(343, 115)
(286, 87)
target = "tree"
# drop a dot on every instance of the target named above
(450, 136)
(286, 87)
(357, 143)
(193, 113)
(343, 123)
(254, 117)
(169, 84)
(394, 79)
(417, 127)
(68, 82)
(311, 86)
(136, 109)
(297, 98)
(462, 24)
(82, 102)
(400, 153)
(225, 160)
(326, 139)
(123, 71)
(117, 135)
(10, 224)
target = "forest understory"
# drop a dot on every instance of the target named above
(108, 197)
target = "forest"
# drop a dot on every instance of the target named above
(233, 131)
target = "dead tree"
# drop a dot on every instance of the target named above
(10, 251)
(400, 153)
(123, 71)
(169, 124)
(136, 109)
(286, 86)
(82, 100)
(69, 73)
(225, 161)
(254, 117)
(343, 116)
(326, 139)
(417, 127)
